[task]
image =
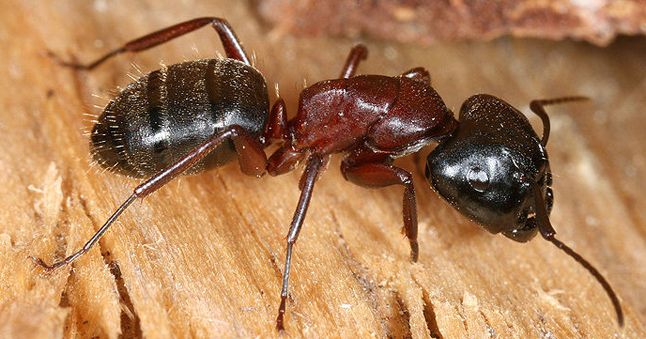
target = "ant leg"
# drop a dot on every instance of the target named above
(538, 107)
(418, 74)
(232, 46)
(357, 53)
(252, 161)
(284, 160)
(276, 126)
(314, 165)
(365, 168)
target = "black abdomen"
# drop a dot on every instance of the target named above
(162, 116)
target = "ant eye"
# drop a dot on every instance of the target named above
(478, 179)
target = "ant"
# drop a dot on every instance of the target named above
(196, 115)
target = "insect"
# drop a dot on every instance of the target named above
(197, 115)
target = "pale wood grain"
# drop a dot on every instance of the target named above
(203, 256)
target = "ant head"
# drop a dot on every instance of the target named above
(489, 168)
(494, 169)
(486, 184)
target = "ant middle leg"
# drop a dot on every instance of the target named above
(315, 165)
(357, 53)
(250, 155)
(366, 168)
(232, 46)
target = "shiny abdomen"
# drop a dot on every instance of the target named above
(159, 118)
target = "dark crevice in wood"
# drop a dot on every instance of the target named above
(61, 229)
(130, 322)
(274, 264)
(362, 275)
(262, 244)
(400, 318)
(429, 315)
(490, 329)
(266, 248)
(429, 312)
(65, 300)
(65, 303)
(543, 329)
(66, 190)
(86, 210)
(464, 319)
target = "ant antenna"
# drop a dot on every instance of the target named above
(538, 107)
(548, 232)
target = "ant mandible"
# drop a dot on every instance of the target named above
(197, 115)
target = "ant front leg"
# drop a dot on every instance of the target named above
(366, 168)
(276, 127)
(286, 158)
(314, 166)
(232, 46)
(250, 155)
(357, 53)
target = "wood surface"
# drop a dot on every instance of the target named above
(428, 21)
(203, 256)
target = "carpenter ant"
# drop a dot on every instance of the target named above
(196, 115)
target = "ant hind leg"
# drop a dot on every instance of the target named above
(365, 168)
(232, 46)
(252, 162)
